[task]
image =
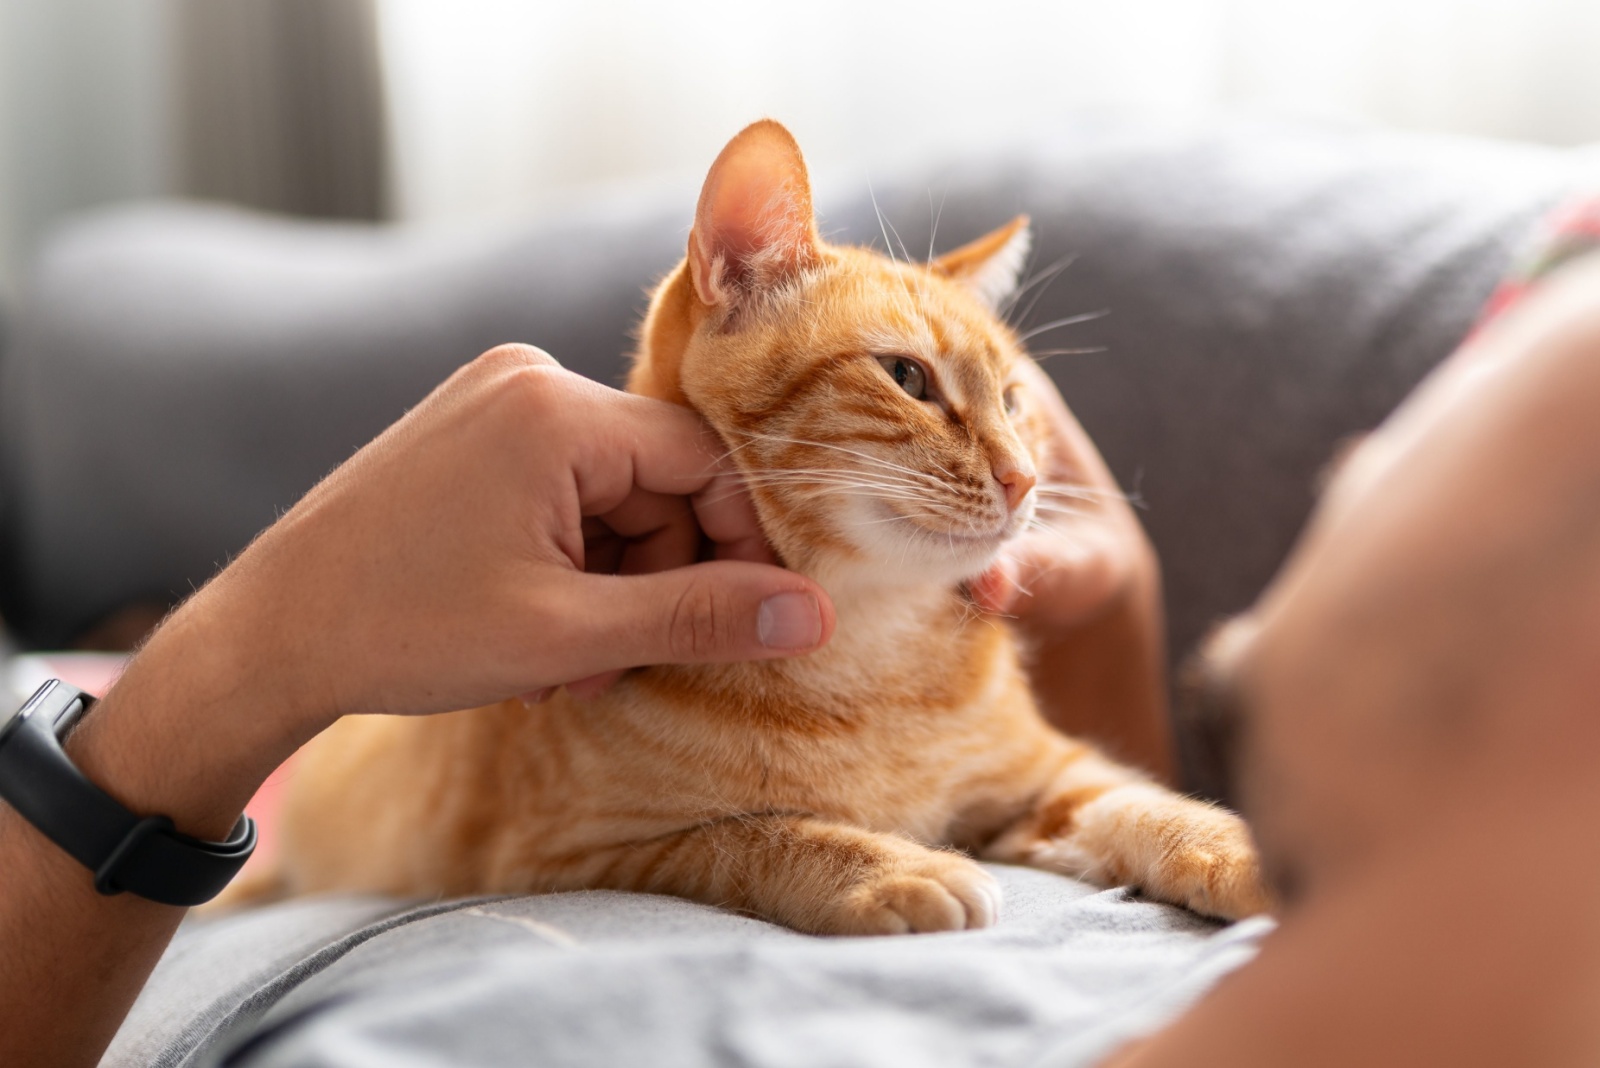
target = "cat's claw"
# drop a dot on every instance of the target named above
(946, 893)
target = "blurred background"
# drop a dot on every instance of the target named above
(430, 112)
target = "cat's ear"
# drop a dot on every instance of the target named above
(991, 265)
(753, 228)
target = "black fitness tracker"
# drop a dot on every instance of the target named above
(144, 856)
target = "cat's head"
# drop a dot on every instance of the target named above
(872, 404)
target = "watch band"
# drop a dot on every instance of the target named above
(144, 856)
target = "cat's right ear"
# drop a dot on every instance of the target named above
(754, 228)
(990, 267)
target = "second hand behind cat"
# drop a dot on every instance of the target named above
(880, 414)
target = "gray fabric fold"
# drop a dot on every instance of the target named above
(604, 978)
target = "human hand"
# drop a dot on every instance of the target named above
(520, 529)
(1084, 586)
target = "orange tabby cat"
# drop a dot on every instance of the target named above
(872, 407)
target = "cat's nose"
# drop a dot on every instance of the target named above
(1016, 481)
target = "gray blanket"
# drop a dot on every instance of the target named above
(605, 978)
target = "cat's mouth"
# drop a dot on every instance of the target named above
(958, 534)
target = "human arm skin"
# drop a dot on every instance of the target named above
(1422, 734)
(442, 567)
(1086, 592)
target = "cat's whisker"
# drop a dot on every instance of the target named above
(813, 487)
(1056, 522)
(1065, 511)
(887, 491)
(933, 228)
(1036, 525)
(883, 226)
(946, 471)
(781, 439)
(899, 518)
(1005, 554)
(907, 280)
(1089, 351)
(1042, 279)
(837, 480)
(1069, 320)
(1079, 491)
(877, 478)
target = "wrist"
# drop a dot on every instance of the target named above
(194, 725)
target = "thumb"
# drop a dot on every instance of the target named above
(714, 612)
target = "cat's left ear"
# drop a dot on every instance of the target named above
(754, 228)
(990, 266)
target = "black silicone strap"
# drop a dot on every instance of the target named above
(141, 855)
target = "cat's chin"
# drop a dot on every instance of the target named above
(889, 549)
(917, 556)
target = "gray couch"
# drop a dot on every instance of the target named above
(177, 374)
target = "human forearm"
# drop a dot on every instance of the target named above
(1084, 588)
(1105, 679)
(190, 731)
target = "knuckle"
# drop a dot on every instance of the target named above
(516, 355)
(537, 393)
(527, 376)
(700, 623)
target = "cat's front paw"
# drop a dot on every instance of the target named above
(1189, 853)
(1174, 848)
(933, 892)
(1213, 868)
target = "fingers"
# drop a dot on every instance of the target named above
(1056, 580)
(652, 532)
(715, 612)
(728, 517)
(665, 531)
(656, 531)
(657, 447)
(644, 458)
(996, 589)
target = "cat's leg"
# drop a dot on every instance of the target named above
(1101, 821)
(810, 874)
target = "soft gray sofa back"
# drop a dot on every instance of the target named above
(180, 373)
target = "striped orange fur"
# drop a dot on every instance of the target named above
(842, 792)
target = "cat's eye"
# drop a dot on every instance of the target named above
(1009, 399)
(907, 374)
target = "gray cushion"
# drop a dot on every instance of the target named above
(182, 373)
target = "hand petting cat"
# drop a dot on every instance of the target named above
(570, 519)
(1084, 585)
